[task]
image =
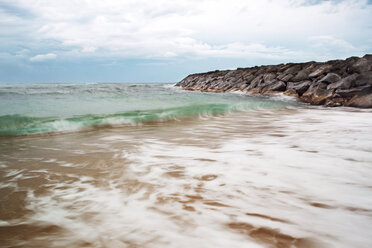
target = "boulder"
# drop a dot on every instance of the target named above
(319, 85)
(254, 91)
(338, 66)
(227, 87)
(282, 68)
(276, 86)
(364, 79)
(363, 101)
(255, 82)
(291, 92)
(300, 76)
(248, 78)
(310, 66)
(333, 83)
(279, 75)
(261, 70)
(272, 68)
(343, 84)
(368, 57)
(293, 69)
(317, 96)
(299, 87)
(269, 77)
(330, 78)
(321, 70)
(335, 101)
(262, 84)
(361, 65)
(286, 77)
(244, 86)
(361, 90)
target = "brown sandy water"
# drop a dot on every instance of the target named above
(286, 178)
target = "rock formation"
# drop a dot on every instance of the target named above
(333, 83)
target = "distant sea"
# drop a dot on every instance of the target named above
(151, 165)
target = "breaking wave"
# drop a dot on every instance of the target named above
(39, 109)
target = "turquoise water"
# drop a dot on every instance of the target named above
(44, 108)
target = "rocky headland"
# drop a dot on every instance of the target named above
(333, 83)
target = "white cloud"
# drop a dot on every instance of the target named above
(43, 57)
(325, 41)
(326, 46)
(198, 28)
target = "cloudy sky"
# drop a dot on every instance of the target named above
(164, 40)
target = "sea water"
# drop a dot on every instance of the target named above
(45, 108)
(151, 165)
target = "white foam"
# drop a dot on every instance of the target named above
(13, 172)
(309, 168)
(115, 138)
(169, 86)
(65, 125)
(4, 223)
(282, 97)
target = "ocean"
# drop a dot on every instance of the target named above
(151, 165)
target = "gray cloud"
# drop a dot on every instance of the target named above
(201, 29)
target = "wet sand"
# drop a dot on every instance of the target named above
(292, 177)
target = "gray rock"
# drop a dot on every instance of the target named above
(256, 81)
(320, 85)
(262, 84)
(299, 87)
(333, 83)
(343, 84)
(227, 87)
(300, 76)
(368, 57)
(291, 92)
(321, 70)
(364, 101)
(330, 78)
(282, 68)
(293, 69)
(269, 77)
(361, 65)
(272, 68)
(277, 86)
(286, 77)
(310, 66)
(243, 86)
(317, 96)
(248, 78)
(364, 79)
(365, 89)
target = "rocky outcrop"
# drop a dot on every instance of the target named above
(333, 83)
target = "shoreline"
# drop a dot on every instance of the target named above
(333, 83)
(256, 176)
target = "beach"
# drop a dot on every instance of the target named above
(180, 169)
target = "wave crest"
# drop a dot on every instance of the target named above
(21, 125)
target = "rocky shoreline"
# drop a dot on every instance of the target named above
(333, 83)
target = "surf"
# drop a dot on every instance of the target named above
(71, 108)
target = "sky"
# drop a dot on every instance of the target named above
(165, 40)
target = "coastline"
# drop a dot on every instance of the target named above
(158, 166)
(333, 83)
(275, 177)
